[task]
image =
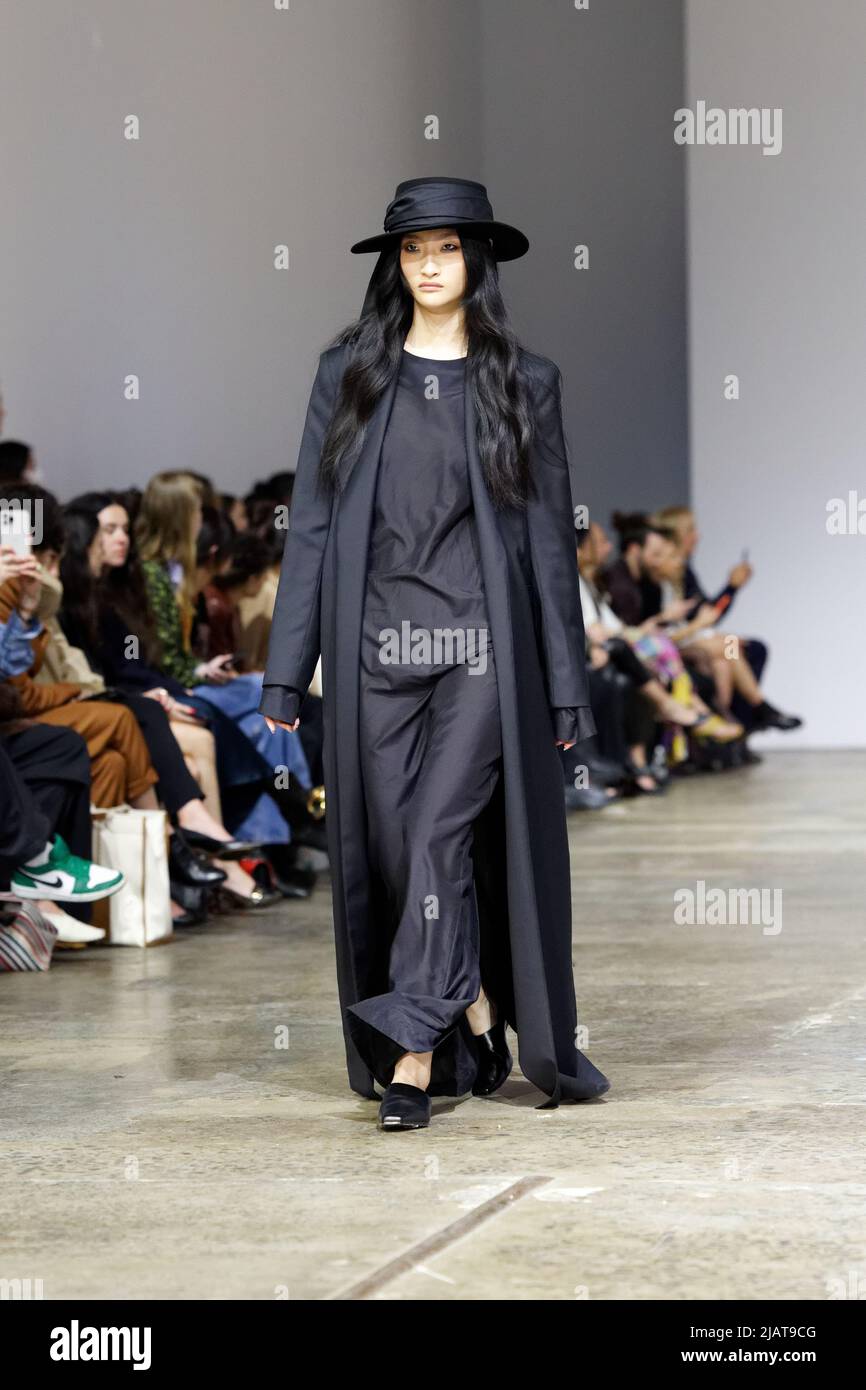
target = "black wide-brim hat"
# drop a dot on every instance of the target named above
(442, 202)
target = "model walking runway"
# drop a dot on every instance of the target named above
(429, 729)
(431, 560)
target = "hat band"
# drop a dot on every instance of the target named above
(451, 206)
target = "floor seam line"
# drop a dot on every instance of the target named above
(441, 1240)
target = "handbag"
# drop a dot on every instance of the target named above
(139, 913)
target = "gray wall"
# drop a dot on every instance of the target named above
(156, 257)
(578, 109)
(260, 127)
(777, 292)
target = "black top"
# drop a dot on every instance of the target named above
(424, 565)
(110, 660)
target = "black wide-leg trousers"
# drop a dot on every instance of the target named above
(44, 790)
(431, 746)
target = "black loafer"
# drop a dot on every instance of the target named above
(404, 1107)
(494, 1060)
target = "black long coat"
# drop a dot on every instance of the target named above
(521, 855)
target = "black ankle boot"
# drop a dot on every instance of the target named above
(494, 1060)
(766, 716)
(187, 866)
(404, 1107)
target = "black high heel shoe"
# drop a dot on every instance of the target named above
(404, 1107)
(220, 849)
(494, 1060)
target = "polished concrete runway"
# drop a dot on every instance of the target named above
(177, 1123)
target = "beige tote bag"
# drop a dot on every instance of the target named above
(139, 913)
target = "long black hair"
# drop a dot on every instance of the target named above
(499, 391)
(122, 589)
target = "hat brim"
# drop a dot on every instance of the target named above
(508, 242)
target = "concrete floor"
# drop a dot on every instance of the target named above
(155, 1143)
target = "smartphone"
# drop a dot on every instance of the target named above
(15, 530)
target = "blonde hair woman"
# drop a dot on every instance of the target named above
(167, 526)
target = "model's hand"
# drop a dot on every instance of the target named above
(560, 744)
(274, 724)
(740, 574)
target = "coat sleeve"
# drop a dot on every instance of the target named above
(295, 639)
(552, 543)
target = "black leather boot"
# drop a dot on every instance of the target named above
(187, 866)
(404, 1107)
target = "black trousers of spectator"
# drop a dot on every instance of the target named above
(177, 785)
(756, 653)
(623, 716)
(628, 662)
(44, 791)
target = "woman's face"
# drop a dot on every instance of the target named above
(238, 514)
(433, 265)
(670, 562)
(110, 546)
(658, 556)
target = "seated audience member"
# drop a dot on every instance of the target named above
(112, 587)
(631, 591)
(645, 652)
(241, 574)
(287, 749)
(121, 770)
(105, 606)
(177, 789)
(45, 828)
(646, 662)
(102, 625)
(680, 521)
(168, 527)
(719, 657)
(256, 611)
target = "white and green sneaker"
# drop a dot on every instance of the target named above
(64, 877)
